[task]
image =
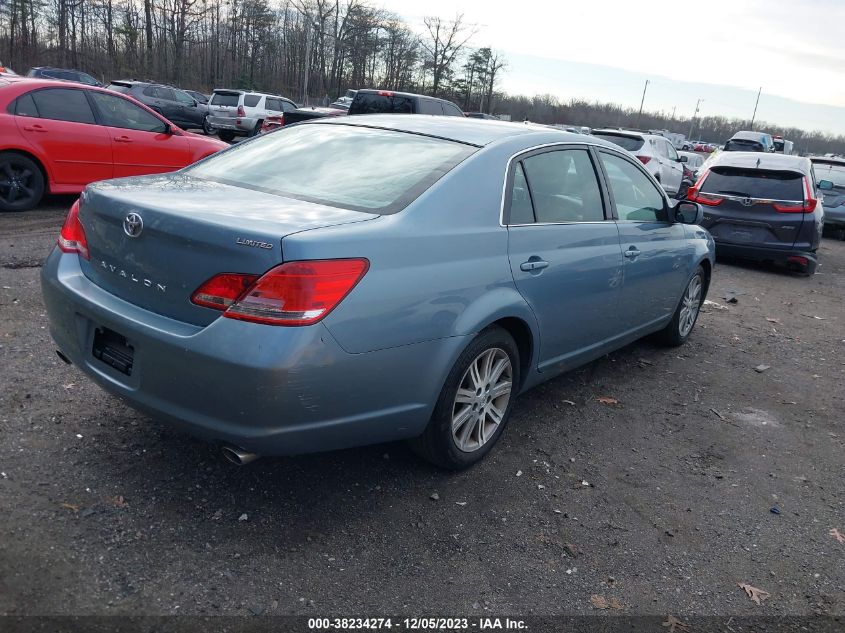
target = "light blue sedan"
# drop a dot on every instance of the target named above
(368, 279)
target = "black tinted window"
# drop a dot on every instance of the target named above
(743, 145)
(63, 105)
(122, 88)
(636, 198)
(150, 91)
(564, 187)
(250, 101)
(288, 106)
(632, 144)
(119, 112)
(430, 106)
(522, 212)
(272, 104)
(25, 106)
(374, 103)
(755, 183)
(225, 98)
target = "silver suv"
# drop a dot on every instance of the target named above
(656, 153)
(241, 113)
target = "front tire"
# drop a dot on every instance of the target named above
(21, 182)
(686, 314)
(207, 128)
(475, 403)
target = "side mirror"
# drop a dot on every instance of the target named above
(825, 185)
(686, 212)
(682, 159)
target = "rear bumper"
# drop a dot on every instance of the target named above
(775, 255)
(270, 390)
(241, 125)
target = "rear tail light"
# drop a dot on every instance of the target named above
(222, 290)
(385, 93)
(694, 195)
(294, 293)
(807, 206)
(72, 237)
(644, 159)
(241, 111)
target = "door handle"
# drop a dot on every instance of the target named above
(533, 264)
(122, 139)
(633, 252)
(34, 128)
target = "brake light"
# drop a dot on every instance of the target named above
(241, 111)
(294, 293)
(644, 159)
(222, 290)
(807, 206)
(72, 236)
(385, 93)
(693, 195)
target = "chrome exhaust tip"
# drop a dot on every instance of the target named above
(237, 455)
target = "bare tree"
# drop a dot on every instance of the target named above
(446, 39)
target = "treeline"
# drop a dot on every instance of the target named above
(716, 129)
(298, 48)
(310, 51)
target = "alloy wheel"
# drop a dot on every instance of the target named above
(689, 306)
(482, 399)
(16, 182)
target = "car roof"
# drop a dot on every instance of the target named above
(628, 133)
(762, 160)
(827, 160)
(461, 129)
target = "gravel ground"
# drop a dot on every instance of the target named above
(705, 474)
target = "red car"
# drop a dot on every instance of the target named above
(56, 137)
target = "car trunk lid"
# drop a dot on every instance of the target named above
(154, 240)
(752, 207)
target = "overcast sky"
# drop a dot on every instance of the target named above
(721, 51)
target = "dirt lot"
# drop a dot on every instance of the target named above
(706, 474)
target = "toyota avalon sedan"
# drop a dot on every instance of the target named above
(357, 280)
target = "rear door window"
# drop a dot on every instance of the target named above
(631, 143)
(272, 104)
(564, 187)
(250, 101)
(62, 104)
(755, 183)
(450, 109)
(25, 106)
(521, 209)
(430, 106)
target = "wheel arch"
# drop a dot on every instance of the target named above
(38, 162)
(524, 339)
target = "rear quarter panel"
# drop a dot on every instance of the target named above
(438, 269)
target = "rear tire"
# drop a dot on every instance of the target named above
(21, 182)
(227, 136)
(475, 403)
(683, 321)
(207, 128)
(255, 131)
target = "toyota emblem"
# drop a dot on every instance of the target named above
(133, 225)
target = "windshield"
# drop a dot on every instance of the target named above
(831, 172)
(358, 168)
(370, 103)
(631, 143)
(743, 145)
(755, 183)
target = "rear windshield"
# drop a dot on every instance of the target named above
(119, 88)
(755, 183)
(833, 173)
(372, 103)
(743, 145)
(631, 143)
(358, 168)
(225, 98)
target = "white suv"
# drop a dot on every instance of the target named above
(241, 113)
(656, 153)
